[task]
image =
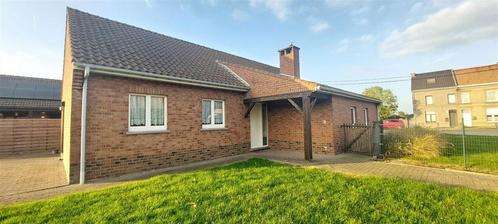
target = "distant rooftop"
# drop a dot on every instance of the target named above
(20, 87)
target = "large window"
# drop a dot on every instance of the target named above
(430, 117)
(491, 95)
(492, 114)
(451, 98)
(465, 97)
(147, 113)
(213, 114)
(428, 100)
(353, 115)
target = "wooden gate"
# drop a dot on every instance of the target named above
(358, 138)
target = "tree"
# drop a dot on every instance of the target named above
(389, 104)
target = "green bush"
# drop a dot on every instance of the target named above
(416, 142)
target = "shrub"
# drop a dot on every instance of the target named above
(417, 142)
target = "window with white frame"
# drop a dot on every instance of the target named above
(465, 97)
(492, 114)
(492, 95)
(365, 115)
(353, 115)
(428, 100)
(451, 98)
(147, 113)
(430, 117)
(213, 114)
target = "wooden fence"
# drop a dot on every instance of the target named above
(359, 138)
(18, 136)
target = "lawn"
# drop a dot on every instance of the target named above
(481, 154)
(260, 191)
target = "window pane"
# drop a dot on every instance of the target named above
(206, 112)
(157, 111)
(451, 98)
(218, 112)
(137, 111)
(428, 99)
(491, 95)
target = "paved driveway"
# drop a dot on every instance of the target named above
(27, 173)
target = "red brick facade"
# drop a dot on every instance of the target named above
(111, 151)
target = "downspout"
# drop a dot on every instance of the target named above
(83, 125)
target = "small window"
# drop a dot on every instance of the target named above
(365, 114)
(491, 95)
(430, 117)
(492, 114)
(451, 98)
(465, 97)
(431, 81)
(213, 114)
(353, 115)
(428, 100)
(147, 113)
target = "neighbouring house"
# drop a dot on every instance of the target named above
(29, 115)
(449, 97)
(28, 97)
(136, 100)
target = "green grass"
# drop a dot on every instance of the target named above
(260, 191)
(481, 154)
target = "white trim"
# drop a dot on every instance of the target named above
(365, 115)
(148, 127)
(155, 77)
(213, 125)
(352, 112)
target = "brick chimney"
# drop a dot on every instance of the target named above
(289, 61)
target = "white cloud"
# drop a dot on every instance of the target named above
(416, 6)
(42, 63)
(148, 3)
(343, 45)
(212, 3)
(317, 25)
(360, 11)
(279, 8)
(464, 23)
(340, 3)
(362, 21)
(381, 8)
(366, 38)
(240, 15)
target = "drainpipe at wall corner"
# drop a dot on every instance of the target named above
(83, 125)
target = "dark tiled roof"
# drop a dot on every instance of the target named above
(29, 104)
(99, 41)
(29, 88)
(442, 79)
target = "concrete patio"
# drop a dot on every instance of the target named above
(30, 172)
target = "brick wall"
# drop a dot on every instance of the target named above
(286, 127)
(341, 114)
(111, 151)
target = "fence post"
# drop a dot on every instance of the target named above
(463, 145)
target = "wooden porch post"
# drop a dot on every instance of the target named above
(308, 154)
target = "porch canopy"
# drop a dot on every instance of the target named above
(302, 102)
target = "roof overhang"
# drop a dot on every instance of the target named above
(347, 94)
(156, 77)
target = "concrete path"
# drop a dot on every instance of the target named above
(356, 164)
(31, 172)
(344, 163)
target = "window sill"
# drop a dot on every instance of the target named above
(214, 129)
(147, 132)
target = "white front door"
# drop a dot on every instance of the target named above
(259, 126)
(467, 118)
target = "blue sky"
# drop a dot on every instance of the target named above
(339, 39)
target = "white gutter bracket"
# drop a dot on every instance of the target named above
(83, 125)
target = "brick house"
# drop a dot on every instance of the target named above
(444, 98)
(136, 100)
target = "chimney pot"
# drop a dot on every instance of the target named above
(289, 61)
